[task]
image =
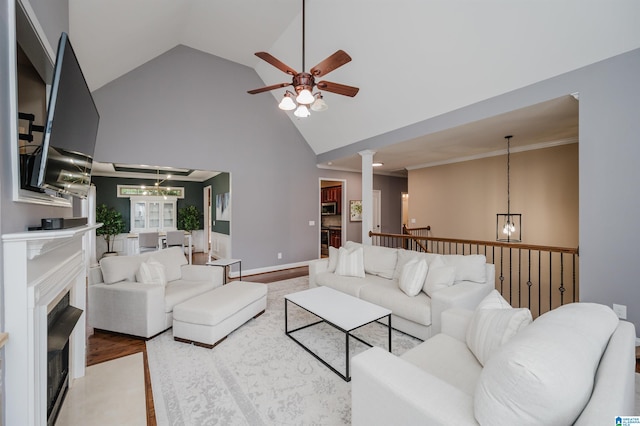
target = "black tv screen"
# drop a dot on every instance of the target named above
(63, 165)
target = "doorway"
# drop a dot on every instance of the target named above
(208, 214)
(332, 209)
(376, 220)
(405, 210)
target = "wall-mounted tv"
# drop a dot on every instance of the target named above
(63, 165)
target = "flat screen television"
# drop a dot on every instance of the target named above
(63, 164)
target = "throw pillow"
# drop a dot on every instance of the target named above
(151, 272)
(494, 322)
(412, 277)
(333, 259)
(468, 267)
(350, 262)
(404, 256)
(380, 261)
(438, 277)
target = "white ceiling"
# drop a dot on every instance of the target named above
(544, 125)
(412, 59)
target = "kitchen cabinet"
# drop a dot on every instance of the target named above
(332, 194)
(335, 238)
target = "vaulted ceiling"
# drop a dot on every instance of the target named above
(412, 59)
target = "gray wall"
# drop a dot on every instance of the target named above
(190, 109)
(15, 217)
(391, 202)
(609, 94)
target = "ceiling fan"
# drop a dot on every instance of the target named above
(304, 82)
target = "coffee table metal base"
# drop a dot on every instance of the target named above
(347, 376)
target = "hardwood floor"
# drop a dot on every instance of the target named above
(104, 346)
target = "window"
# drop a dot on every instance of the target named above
(127, 191)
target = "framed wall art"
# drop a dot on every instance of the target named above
(355, 210)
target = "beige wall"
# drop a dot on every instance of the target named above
(461, 200)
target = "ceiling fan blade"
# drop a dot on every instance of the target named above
(340, 89)
(267, 88)
(276, 62)
(334, 61)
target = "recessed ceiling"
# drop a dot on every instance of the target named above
(150, 172)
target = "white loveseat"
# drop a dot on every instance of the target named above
(572, 365)
(123, 300)
(451, 281)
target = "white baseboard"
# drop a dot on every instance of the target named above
(273, 268)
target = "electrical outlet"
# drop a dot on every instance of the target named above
(279, 255)
(312, 223)
(620, 310)
(413, 220)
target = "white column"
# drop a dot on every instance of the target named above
(367, 194)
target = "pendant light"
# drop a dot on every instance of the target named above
(509, 225)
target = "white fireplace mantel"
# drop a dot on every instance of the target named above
(39, 266)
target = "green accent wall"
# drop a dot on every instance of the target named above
(107, 193)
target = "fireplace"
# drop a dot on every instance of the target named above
(45, 279)
(60, 323)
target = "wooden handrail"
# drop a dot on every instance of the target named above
(425, 228)
(407, 231)
(534, 247)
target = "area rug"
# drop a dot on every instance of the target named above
(258, 375)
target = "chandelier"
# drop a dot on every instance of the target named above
(157, 189)
(509, 225)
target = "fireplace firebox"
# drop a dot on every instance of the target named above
(60, 323)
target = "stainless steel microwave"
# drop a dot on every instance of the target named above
(329, 209)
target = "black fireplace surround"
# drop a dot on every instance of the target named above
(60, 323)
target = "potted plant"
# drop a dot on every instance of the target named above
(189, 218)
(112, 225)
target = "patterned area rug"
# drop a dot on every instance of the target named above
(258, 375)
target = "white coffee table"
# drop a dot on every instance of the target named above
(342, 311)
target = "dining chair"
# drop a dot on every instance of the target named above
(175, 238)
(148, 241)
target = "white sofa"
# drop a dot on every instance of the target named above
(123, 300)
(451, 281)
(572, 365)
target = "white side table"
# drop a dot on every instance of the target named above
(225, 263)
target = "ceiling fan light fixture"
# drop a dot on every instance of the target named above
(302, 112)
(305, 97)
(287, 104)
(319, 104)
(304, 82)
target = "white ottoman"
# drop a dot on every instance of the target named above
(209, 318)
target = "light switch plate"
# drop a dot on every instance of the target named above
(620, 310)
